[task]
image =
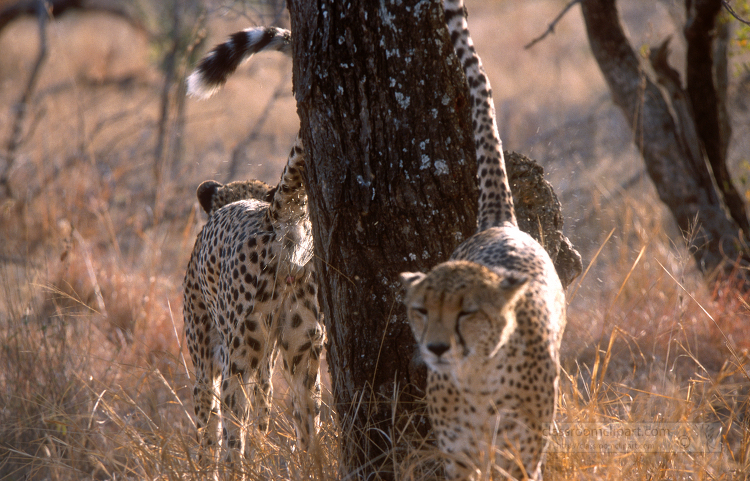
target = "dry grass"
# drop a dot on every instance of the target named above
(93, 379)
(656, 348)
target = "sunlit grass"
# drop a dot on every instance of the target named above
(95, 384)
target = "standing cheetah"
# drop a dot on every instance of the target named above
(250, 290)
(489, 321)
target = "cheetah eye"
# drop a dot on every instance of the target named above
(463, 314)
(418, 316)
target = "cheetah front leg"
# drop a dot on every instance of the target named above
(301, 337)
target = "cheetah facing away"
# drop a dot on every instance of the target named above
(489, 321)
(249, 293)
(213, 195)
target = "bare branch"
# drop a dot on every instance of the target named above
(22, 107)
(733, 13)
(551, 28)
(11, 10)
(679, 173)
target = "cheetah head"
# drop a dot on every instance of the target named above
(214, 195)
(462, 313)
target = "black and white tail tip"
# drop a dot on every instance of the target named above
(214, 69)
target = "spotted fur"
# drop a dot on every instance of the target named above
(489, 321)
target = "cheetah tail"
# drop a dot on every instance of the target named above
(495, 199)
(214, 69)
(290, 196)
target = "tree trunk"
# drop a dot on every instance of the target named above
(392, 185)
(673, 142)
(707, 94)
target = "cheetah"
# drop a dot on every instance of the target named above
(250, 293)
(488, 322)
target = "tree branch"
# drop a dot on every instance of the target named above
(662, 141)
(729, 9)
(22, 107)
(551, 28)
(10, 11)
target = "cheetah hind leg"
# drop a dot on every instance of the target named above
(262, 389)
(208, 413)
(247, 400)
(302, 338)
(205, 389)
(236, 390)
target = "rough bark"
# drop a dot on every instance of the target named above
(666, 132)
(539, 214)
(391, 178)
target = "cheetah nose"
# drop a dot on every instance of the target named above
(438, 348)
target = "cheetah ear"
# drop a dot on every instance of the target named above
(513, 286)
(269, 195)
(206, 192)
(409, 279)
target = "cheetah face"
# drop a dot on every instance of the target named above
(462, 313)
